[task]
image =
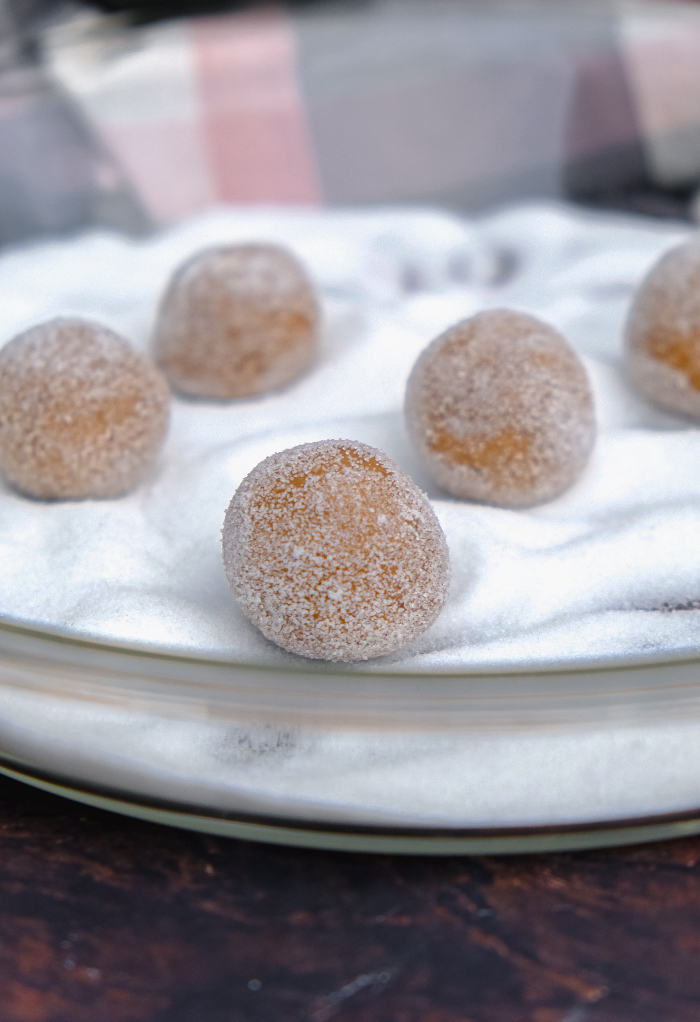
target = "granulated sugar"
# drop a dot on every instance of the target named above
(590, 575)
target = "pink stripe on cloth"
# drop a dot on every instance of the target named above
(660, 46)
(252, 115)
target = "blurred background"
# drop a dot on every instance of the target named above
(135, 114)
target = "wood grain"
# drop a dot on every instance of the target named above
(104, 919)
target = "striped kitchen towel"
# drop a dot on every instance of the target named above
(430, 101)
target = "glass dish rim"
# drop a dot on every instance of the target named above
(620, 663)
(321, 694)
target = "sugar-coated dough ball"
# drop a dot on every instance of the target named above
(663, 332)
(237, 321)
(334, 553)
(499, 410)
(81, 413)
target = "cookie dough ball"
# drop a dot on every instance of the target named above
(237, 321)
(334, 553)
(499, 410)
(81, 413)
(663, 332)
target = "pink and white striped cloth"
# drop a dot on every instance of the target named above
(196, 112)
(451, 104)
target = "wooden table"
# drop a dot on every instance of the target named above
(105, 919)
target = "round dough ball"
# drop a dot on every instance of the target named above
(500, 410)
(334, 553)
(663, 332)
(237, 321)
(81, 413)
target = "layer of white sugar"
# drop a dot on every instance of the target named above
(590, 575)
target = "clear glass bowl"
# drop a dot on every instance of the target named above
(316, 754)
(320, 756)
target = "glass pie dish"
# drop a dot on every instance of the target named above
(555, 704)
(324, 757)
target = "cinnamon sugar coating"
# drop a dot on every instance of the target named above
(662, 348)
(334, 553)
(499, 410)
(237, 321)
(81, 413)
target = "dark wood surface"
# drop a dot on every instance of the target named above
(105, 919)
